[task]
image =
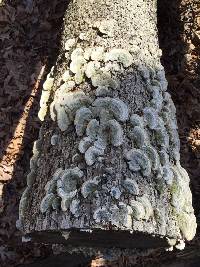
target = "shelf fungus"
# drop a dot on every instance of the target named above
(151, 117)
(82, 117)
(90, 186)
(121, 215)
(130, 186)
(112, 133)
(101, 215)
(92, 154)
(118, 108)
(138, 161)
(139, 136)
(65, 105)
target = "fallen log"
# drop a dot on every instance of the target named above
(106, 170)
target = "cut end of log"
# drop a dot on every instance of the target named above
(100, 238)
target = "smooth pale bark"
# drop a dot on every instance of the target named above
(121, 182)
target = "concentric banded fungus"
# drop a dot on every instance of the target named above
(116, 106)
(66, 186)
(101, 78)
(92, 154)
(136, 120)
(101, 215)
(92, 68)
(139, 136)
(46, 202)
(151, 117)
(75, 207)
(119, 55)
(168, 175)
(84, 144)
(90, 186)
(111, 132)
(54, 139)
(92, 129)
(121, 215)
(138, 210)
(138, 160)
(131, 186)
(102, 91)
(115, 192)
(64, 107)
(83, 116)
(147, 206)
(151, 152)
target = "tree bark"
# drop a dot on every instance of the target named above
(105, 170)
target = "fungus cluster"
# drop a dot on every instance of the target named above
(101, 124)
(61, 191)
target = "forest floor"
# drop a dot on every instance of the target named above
(29, 43)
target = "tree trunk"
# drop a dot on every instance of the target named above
(105, 171)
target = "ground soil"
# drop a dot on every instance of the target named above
(29, 43)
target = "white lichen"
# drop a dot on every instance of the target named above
(106, 27)
(187, 224)
(138, 210)
(120, 55)
(101, 78)
(92, 68)
(46, 202)
(138, 161)
(147, 206)
(69, 44)
(97, 54)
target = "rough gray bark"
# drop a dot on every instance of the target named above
(106, 165)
